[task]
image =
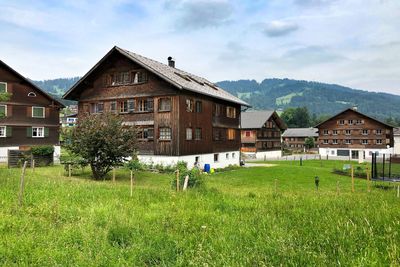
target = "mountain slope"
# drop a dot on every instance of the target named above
(319, 98)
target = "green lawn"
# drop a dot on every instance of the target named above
(238, 219)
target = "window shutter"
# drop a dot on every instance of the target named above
(46, 132)
(29, 132)
(8, 131)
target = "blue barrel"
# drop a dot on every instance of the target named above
(207, 168)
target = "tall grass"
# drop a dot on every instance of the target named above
(239, 219)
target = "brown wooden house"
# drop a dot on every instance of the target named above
(354, 135)
(294, 138)
(180, 116)
(30, 117)
(261, 134)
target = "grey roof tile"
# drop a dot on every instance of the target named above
(301, 132)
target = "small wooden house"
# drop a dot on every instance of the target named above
(261, 134)
(294, 138)
(180, 116)
(30, 117)
(352, 134)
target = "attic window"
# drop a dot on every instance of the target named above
(197, 81)
(212, 86)
(183, 76)
(32, 94)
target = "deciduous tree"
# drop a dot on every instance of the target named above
(102, 141)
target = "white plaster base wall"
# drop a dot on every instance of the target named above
(4, 152)
(224, 159)
(332, 152)
(397, 145)
(263, 155)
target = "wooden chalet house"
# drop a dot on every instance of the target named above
(180, 116)
(354, 135)
(29, 118)
(295, 138)
(261, 134)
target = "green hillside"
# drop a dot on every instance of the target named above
(319, 98)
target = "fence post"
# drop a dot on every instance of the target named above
(352, 178)
(113, 175)
(185, 184)
(69, 170)
(131, 183)
(33, 165)
(22, 185)
(368, 180)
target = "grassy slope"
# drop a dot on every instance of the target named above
(238, 220)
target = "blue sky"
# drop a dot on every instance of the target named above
(349, 42)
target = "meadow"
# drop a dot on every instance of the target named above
(261, 216)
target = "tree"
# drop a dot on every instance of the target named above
(102, 141)
(297, 117)
(309, 142)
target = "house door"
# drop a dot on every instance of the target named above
(354, 154)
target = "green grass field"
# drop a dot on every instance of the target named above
(238, 219)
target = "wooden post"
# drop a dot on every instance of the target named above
(131, 183)
(185, 184)
(352, 179)
(33, 165)
(22, 185)
(69, 170)
(368, 180)
(113, 175)
(177, 180)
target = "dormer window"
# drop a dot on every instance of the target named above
(32, 94)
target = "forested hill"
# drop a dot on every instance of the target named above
(319, 98)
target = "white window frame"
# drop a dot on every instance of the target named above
(5, 109)
(44, 112)
(189, 134)
(364, 142)
(335, 132)
(326, 142)
(4, 131)
(39, 136)
(6, 86)
(334, 141)
(348, 142)
(379, 142)
(347, 132)
(379, 132)
(216, 157)
(326, 132)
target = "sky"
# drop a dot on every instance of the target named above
(355, 43)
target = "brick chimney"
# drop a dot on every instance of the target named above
(171, 62)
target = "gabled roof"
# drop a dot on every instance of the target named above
(2, 64)
(256, 119)
(301, 132)
(179, 78)
(357, 112)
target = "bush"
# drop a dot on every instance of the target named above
(196, 178)
(75, 162)
(42, 150)
(357, 173)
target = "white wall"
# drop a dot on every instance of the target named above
(224, 159)
(332, 152)
(397, 145)
(4, 152)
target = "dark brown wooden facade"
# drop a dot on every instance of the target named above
(30, 117)
(354, 130)
(266, 137)
(171, 121)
